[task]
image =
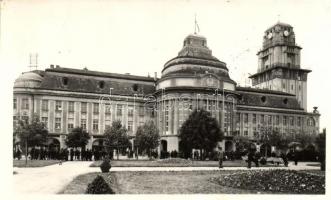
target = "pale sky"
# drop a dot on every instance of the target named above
(138, 37)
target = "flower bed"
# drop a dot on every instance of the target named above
(278, 181)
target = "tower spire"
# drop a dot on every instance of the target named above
(196, 26)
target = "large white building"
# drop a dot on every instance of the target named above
(65, 98)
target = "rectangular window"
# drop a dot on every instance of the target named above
(95, 108)
(70, 123)
(130, 111)
(166, 116)
(141, 110)
(57, 123)
(58, 105)
(44, 120)
(119, 110)
(83, 124)
(130, 125)
(262, 119)
(284, 120)
(25, 118)
(254, 118)
(95, 124)
(246, 133)
(83, 107)
(291, 121)
(15, 121)
(44, 105)
(71, 107)
(277, 120)
(25, 103)
(107, 109)
(269, 119)
(238, 118)
(245, 118)
(299, 121)
(107, 124)
(15, 103)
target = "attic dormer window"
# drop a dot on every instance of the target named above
(285, 101)
(263, 99)
(65, 80)
(101, 84)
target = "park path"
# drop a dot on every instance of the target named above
(52, 179)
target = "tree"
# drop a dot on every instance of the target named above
(33, 133)
(147, 137)
(321, 142)
(116, 137)
(78, 137)
(200, 131)
(304, 139)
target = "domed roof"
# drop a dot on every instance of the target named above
(194, 58)
(28, 79)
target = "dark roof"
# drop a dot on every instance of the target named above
(100, 74)
(95, 82)
(263, 91)
(281, 24)
(282, 67)
(270, 99)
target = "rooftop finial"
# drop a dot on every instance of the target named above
(196, 26)
(278, 17)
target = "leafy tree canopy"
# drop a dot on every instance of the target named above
(78, 137)
(200, 131)
(147, 136)
(116, 135)
(34, 132)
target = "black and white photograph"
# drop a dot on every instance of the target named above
(182, 97)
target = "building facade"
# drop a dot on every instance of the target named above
(65, 98)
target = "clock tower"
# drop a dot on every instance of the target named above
(279, 65)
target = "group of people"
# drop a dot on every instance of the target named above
(65, 154)
(254, 156)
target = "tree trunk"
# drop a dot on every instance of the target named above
(117, 153)
(26, 152)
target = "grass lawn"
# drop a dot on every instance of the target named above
(34, 163)
(191, 182)
(173, 182)
(176, 163)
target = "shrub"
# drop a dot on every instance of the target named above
(105, 165)
(263, 161)
(164, 154)
(99, 186)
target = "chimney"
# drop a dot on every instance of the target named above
(52, 66)
(155, 76)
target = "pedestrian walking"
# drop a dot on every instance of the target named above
(220, 156)
(71, 154)
(250, 158)
(284, 157)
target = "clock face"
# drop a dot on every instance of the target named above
(286, 33)
(270, 35)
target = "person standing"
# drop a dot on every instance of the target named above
(71, 154)
(284, 157)
(250, 158)
(220, 156)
